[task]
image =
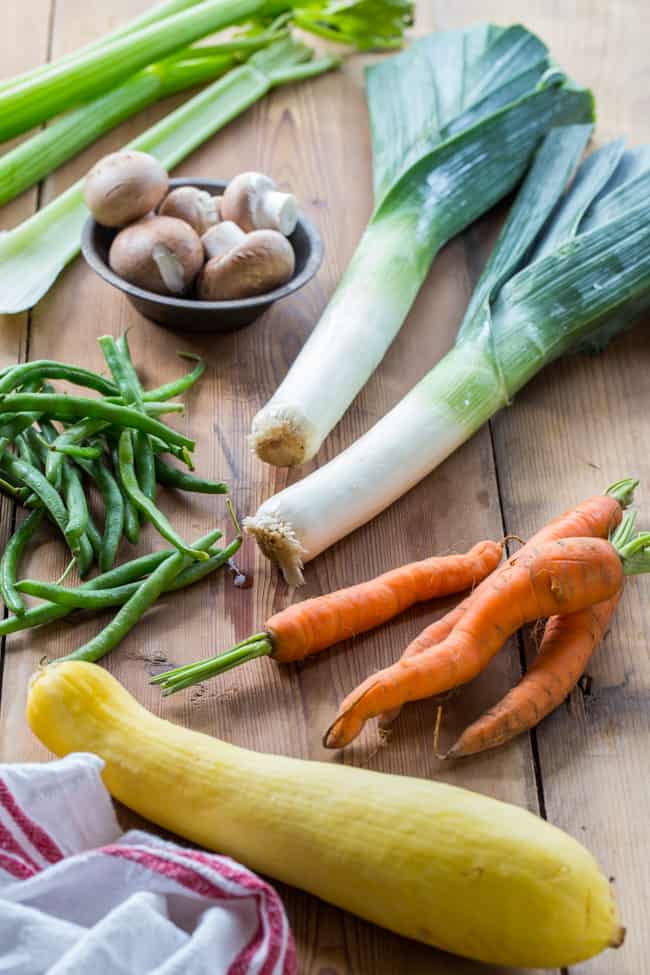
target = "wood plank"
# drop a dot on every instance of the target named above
(296, 135)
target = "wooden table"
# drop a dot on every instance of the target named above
(579, 426)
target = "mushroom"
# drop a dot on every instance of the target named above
(159, 254)
(253, 201)
(124, 186)
(221, 238)
(263, 260)
(194, 206)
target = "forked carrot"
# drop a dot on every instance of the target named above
(313, 625)
(557, 577)
(567, 646)
(596, 517)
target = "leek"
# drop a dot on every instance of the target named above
(569, 270)
(455, 121)
(151, 16)
(33, 159)
(34, 253)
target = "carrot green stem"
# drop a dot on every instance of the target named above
(258, 645)
(623, 491)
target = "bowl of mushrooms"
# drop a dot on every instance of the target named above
(195, 255)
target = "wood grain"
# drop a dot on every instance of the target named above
(582, 412)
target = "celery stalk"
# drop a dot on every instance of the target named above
(34, 158)
(158, 12)
(34, 254)
(31, 102)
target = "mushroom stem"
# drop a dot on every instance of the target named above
(171, 269)
(278, 211)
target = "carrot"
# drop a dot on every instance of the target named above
(557, 577)
(565, 651)
(316, 624)
(596, 517)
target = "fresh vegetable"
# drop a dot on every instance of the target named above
(567, 646)
(33, 254)
(253, 202)
(420, 858)
(120, 577)
(158, 12)
(569, 270)
(124, 186)
(196, 207)
(159, 254)
(145, 596)
(556, 577)
(455, 120)
(221, 239)
(10, 559)
(316, 624)
(264, 260)
(565, 650)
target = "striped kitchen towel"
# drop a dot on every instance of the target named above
(78, 896)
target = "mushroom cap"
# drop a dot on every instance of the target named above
(264, 260)
(240, 198)
(221, 238)
(124, 186)
(196, 207)
(159, 254)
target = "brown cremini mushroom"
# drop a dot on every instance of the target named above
(221, 238)
(263, 260)
(159, 254)
(252, 201)
(194, 206)
(124, 186)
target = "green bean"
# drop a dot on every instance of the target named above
(71, 435)
(144, 504)
(33, 479)
(38, 444)
(122, 372)
(149, 407)
(99, 599)
(94, 537)
(180, 453)
(135, 607)
(73, 450)
(75, 501)
(85, 556)
(10, 559)
(131, 514)
(119, 362)
(122, 574)
(25, 451)
(14, 423)
(171, 477)
(4, 443)
(178, 386)
(40, 369)
(113, 510)
(72, 407)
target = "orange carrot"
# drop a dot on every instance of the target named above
(596, 517)
(558, 577)
(315, 624)
(565, 651)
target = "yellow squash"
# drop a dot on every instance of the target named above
(440, 864)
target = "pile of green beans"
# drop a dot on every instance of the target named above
(54, 445)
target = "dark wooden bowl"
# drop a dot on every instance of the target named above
(191, 315)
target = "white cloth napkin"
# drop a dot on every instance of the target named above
(78, 897)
